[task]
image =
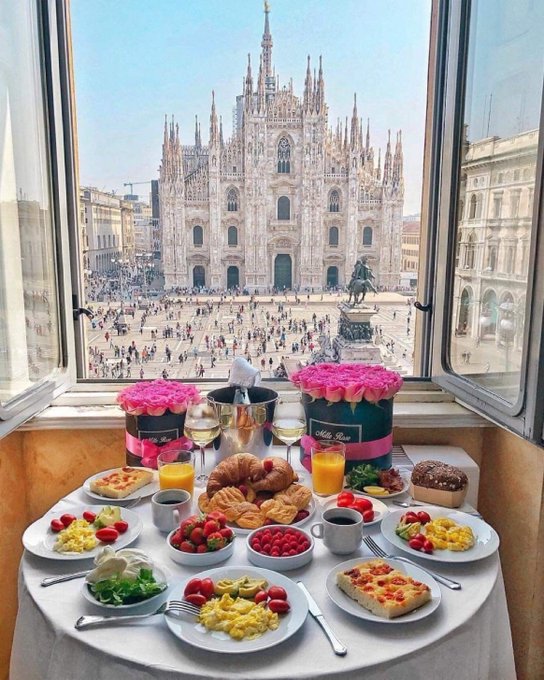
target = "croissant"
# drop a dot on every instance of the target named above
(233, 471)
(280, 477)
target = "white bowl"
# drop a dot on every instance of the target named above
(284, 563)
(161, 576)
(199, 559)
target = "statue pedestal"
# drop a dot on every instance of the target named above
(354, 340)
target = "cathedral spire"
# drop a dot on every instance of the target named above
(367, 136)
(196, 131)
(261, 93)
(379, 168)
(354, 124)
(387, 160)
(320, 87)
(346, 135)
(199, 137)
(266, 50)
(165, 136)
(308, 88)
(214, 127)
(248, 92)
(398, 160)
(221, 141)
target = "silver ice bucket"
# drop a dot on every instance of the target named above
(245, 428)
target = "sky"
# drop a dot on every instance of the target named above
(137, 60)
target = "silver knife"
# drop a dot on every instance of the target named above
(51, 580)
(318, 616)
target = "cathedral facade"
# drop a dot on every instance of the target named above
(287, 202)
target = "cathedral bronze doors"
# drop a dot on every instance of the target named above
(332, 277)
(199, 277)
(283, 272)
(233, 277)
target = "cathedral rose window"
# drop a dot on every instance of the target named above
(284, 156)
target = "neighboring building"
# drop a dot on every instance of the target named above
(493, 239)
(127, 229)
(287, 202)
(155, 213)
(410, 251)
(105, 219)
(143, 228)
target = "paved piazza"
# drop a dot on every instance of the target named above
(190, 353)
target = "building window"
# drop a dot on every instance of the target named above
(284, 208)
(98, 241)
(472, 209)
(198, 236)
(284, 156)
(334, 201)
(333, 236)
(497, 205)
(492, 258)
(232, 200)
(367, 236)
(470, 253)
(232, 236)
(514, 204)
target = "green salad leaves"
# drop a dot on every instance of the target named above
(118, 590)
(363, 475)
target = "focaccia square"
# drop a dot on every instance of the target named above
(383, 590)
(121, 483)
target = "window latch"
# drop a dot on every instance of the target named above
(77, 312)
(424, 308)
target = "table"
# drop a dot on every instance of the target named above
(467, 638)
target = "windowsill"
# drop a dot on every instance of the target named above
(420, 406)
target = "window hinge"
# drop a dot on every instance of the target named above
(424, 308)
(77, 311)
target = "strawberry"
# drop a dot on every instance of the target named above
(243, 489)
(216, 541)
(218, 516)
(197, 536)
(202, 548)
(227, 533)
(268, 465)
(210, 527)
(188, 525)
(187, 546)
(177, 538)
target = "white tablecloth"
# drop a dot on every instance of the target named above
(467, 638)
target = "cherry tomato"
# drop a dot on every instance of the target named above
(415, 544)
(121, 526)
(345, 495)
(423, 517)
(196, 598)
(428, 546)
(193, 586)
(410, 518)
(56, 525)
(363, 504)
(207, 588)
(261, 596)
(89, 516)
(278, 606)
(420, 537)
(277, 593)
(107, 535)
(67, 519)
(343, 503)
(368, 516)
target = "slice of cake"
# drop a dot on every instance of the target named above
(121, 483)
(383, 590)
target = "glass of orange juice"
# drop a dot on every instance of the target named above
(177, 470)
(328, 463)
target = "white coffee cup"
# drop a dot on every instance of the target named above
(169, 507)
(341, 530)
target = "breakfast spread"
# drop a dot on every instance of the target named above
(252, 493)
(438, 483)
(81, 535)
(121, 482)
(245, 607)
(383, 590)
(426, 534)
(374, 481)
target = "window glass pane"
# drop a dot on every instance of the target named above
(497, 179)
(29, 334)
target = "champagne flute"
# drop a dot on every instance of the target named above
(289, 423)
(201, 427)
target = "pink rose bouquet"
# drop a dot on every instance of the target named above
(156, 397)
(348, 382)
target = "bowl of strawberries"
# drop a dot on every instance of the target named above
(201, 540)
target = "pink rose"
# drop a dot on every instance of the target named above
(334, 393)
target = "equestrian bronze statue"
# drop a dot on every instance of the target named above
(361, 281)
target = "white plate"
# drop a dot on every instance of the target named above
(143, 492)
(161, 576)
(187, 628)
(352, 607)
(39, 539)
(380, 509)
(405, 487)
(487, 539)
(310, 508)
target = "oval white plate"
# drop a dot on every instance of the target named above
(310, 507)
(143, 492)
(187, 628)
(39, 539)
(161, 576)
(380, 508)
(487, 539)
(405, 487)
(352, 607)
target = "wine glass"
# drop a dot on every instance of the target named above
(201, 427)
(289, 423)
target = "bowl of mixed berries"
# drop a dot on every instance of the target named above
(201, 540)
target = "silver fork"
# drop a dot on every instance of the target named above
(379, 552)
(165, 608)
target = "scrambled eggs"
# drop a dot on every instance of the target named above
(77, 537)
(448, 535)
(238, 617)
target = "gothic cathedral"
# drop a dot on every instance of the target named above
(287, 202)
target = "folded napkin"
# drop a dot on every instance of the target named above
(243, 374)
